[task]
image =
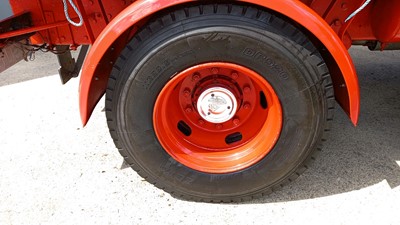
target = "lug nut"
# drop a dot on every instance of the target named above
(235, 75)
(246, 89)
(218, 126)
(215, 70)
(201, 122)
(189, 109)
(196, 77)
(236, 121)
(186, 92)
(246, 106)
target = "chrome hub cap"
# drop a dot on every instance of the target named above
(217, 105)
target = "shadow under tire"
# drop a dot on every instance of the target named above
(219, 103)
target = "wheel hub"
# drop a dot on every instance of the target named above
(217, 105)
(217, 117)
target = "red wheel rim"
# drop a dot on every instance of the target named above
(217, 117)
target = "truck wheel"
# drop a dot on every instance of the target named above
(219, 102)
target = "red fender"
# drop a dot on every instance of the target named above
(92, 88)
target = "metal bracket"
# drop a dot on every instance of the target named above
(70, 68)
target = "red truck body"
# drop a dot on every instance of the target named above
(332, 26)
(376, 26)
(378, 21)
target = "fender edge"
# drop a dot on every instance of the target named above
(93, 84)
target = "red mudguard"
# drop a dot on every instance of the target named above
(93, 86)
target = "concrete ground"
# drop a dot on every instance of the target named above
(53, 171)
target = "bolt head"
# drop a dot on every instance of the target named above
(186, 92)
(337, 23)
(218, 126)
(196, 77)
(236, 121)
(215, 70)
(246, 106)
(235, 75)
(246, 89)
(189, 110)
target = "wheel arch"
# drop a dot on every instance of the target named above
(109, 44)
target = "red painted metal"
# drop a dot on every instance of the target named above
(32, 29)
(96, 15)
(92, 85)
(258, 125)
(380, 20)
(335, 12)
(360, 26)
(91, 89)
(386, 21)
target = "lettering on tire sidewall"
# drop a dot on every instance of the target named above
(260, 57)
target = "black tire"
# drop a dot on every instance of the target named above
(185, 37)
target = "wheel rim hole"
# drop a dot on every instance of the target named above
(184, 128)
(232, 138)
(263, 100)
